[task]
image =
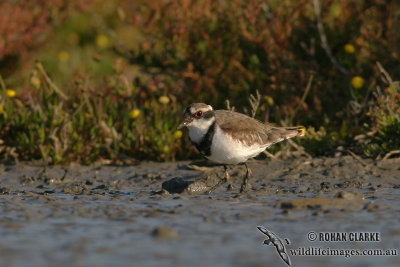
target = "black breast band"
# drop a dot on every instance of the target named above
(205, 144)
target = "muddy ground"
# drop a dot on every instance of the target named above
(125, 216)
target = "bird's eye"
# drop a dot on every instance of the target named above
(198, 114)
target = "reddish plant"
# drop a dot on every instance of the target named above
(25, 24)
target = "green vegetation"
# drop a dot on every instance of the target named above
(86, 124)
(89, 80)
(383, 128)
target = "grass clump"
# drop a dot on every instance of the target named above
(319, 143)
(88, 124)
(383, 128)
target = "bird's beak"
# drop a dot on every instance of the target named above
(186, 121)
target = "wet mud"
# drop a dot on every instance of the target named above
(160, 214)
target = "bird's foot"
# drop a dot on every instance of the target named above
(221, 182)
(244, 186)
(246, 179)
(229, 187)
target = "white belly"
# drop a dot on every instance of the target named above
(225, 150)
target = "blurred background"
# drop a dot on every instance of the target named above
(88, 80)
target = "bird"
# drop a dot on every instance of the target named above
(229, 138)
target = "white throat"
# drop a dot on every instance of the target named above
(198, 129)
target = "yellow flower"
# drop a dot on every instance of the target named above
(35, 81)
(269, 100)
(152, 88)
(1, 109)
(165, 149)
(177, 134)
(349, 49)
(102, 41)
(134, 113)
(63, 56)
(163, 100)
(357, 82)
(10, 93)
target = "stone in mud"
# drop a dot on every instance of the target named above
(197, 187)
(349, 196)
(176, 185)
(14, 225)
(164, 232)
(74, 189)
(4, 190)
(180, 185)
(342, 201)
(42, 198)
(349, 184)
(371, 207)
(389, 164)
(325, 186)
(25, 179)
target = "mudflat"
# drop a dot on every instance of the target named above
(159, 214)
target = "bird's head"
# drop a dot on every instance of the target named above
(197, 115)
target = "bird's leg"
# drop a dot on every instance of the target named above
(226, 174)
(246, 179)
(222, 181)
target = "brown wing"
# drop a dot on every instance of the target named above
(251, 131)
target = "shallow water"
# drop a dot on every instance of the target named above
(107, 215)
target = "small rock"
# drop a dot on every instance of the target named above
(389, 164)
(325, 185)
(317, 213)
(180, 197)
(15, 199)
(371, 207)
(164, 232)
(345, 200)
(207, 219)
(286, 212)
(102, 186)
(42, 198)
(141, 194)
(14, 225)
(4, 190)
(349, 195)
(198, 187)
(175, 185)
(74, 189)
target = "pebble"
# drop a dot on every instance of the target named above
(164, 232)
